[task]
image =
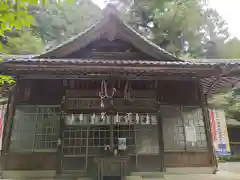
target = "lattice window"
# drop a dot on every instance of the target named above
(99, 137)
(183, 128)
(173, 128)
(75, 141)
(35, 128)
(147, 141)
(193, 118)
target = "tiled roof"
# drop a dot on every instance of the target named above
(123, 62)
(217, 61)
(210, 84)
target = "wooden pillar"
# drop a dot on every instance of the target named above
(9, 124)
(161, 140)
(61, 130)
(207, 125)
(60, 140)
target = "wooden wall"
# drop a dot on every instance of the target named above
(40, 92)
(50, 92)
(30, 161)
(187, 159)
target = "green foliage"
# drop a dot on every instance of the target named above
(181, 27)
(229, 101)
(30, 44)
(6, 80)
(14, 15)
(55, 23)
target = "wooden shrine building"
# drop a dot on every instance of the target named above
(109, 103)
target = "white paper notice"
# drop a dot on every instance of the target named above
(122, 143)
(191, 134)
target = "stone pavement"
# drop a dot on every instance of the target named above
(230, 167)
(227, 171)
(221, 175)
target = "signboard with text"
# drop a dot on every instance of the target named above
(219, 133)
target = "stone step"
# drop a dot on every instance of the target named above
(73, 178)
(149, 174)
(143, 178)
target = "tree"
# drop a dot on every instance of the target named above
(216, 34)
(14, 15)
(55, 23)
(229, 101)
(173, 25)
(30, 44)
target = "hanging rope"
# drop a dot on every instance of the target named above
(127, 91)
(104, 93)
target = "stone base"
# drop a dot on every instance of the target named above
(28, 174)
(191, 170)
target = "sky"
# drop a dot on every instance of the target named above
(228, 9)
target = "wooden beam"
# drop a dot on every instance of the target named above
(108, 76)
(65, 65)
(207, 125)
